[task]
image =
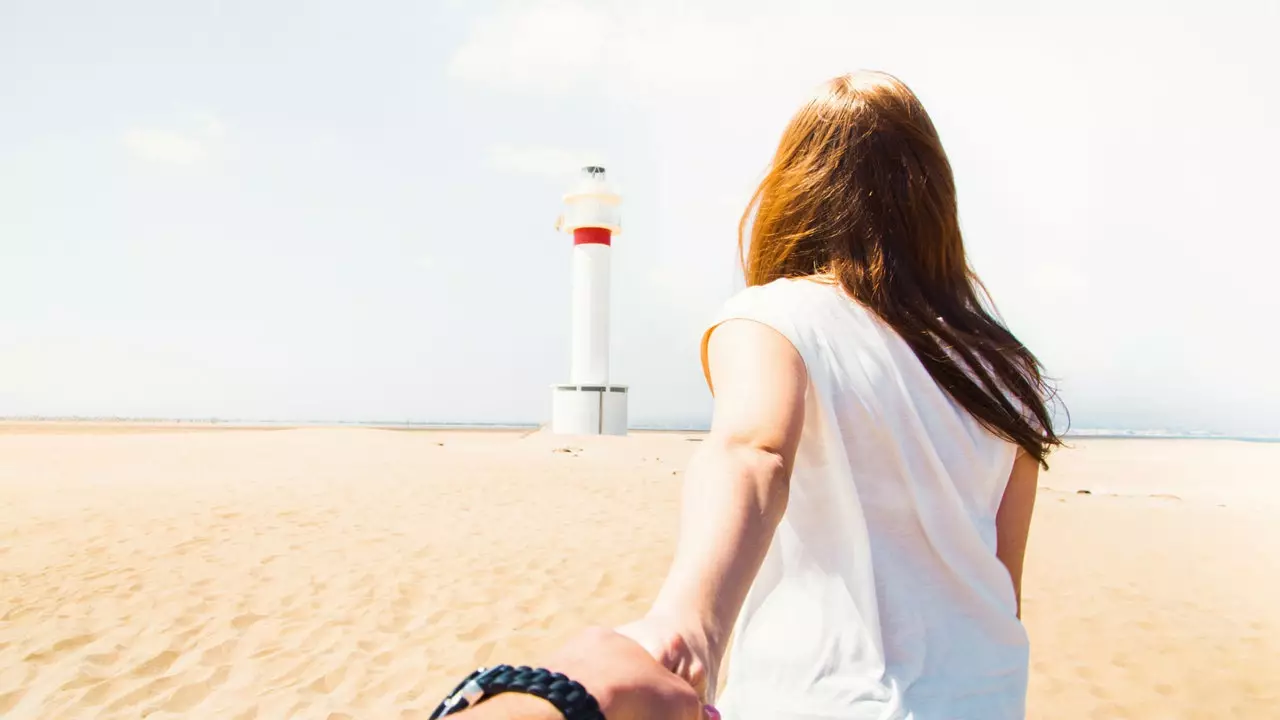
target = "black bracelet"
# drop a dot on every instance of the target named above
(570, 698)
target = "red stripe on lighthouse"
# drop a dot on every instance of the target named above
(592, 236)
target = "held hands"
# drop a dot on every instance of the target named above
(624, 679)
(680, 648)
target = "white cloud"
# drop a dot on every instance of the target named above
(623, 50)
(177, 147)
(656, 50)
(169, 148)
(549, 47)
(211, 126)
(548, 161)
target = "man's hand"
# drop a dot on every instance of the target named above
(625, 679)
(621, 675)
(680, 647)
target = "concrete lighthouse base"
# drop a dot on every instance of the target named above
(589, 409)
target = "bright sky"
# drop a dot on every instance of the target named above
(327, 210)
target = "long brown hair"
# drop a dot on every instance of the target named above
(860, 190)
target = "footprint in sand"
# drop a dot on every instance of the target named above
(410, 695)
(411, 591)
(149, 690)
(60, 648)
(375, 692)
(10, 700)
(219, 654)
(483, 653)
(105, 658)
(219, 677)
(532, 606)
(471, 634)
(18, 613)
(186, 637)
(189, 545)
(396, 624)
(187, 697)
(289, 676)
(1108, 711)
(240, 622)
(99, 693)
(265, 652)
(322, 636)
(82, 680)
(156, 665)
(329, 682)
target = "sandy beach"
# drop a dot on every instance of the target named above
(175, 572)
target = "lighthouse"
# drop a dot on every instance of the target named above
(589, 404)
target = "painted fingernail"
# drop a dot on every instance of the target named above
(711, 712)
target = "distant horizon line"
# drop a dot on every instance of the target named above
(1079, 433)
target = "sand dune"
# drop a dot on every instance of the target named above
(357, 573)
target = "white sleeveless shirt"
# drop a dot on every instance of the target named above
(881, 596)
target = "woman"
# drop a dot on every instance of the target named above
(858, 514)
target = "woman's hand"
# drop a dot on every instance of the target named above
(624, 679)
(680, 647)
(618, 673)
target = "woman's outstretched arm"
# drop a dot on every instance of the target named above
(735, 492)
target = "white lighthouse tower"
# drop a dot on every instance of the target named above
(588, 404)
